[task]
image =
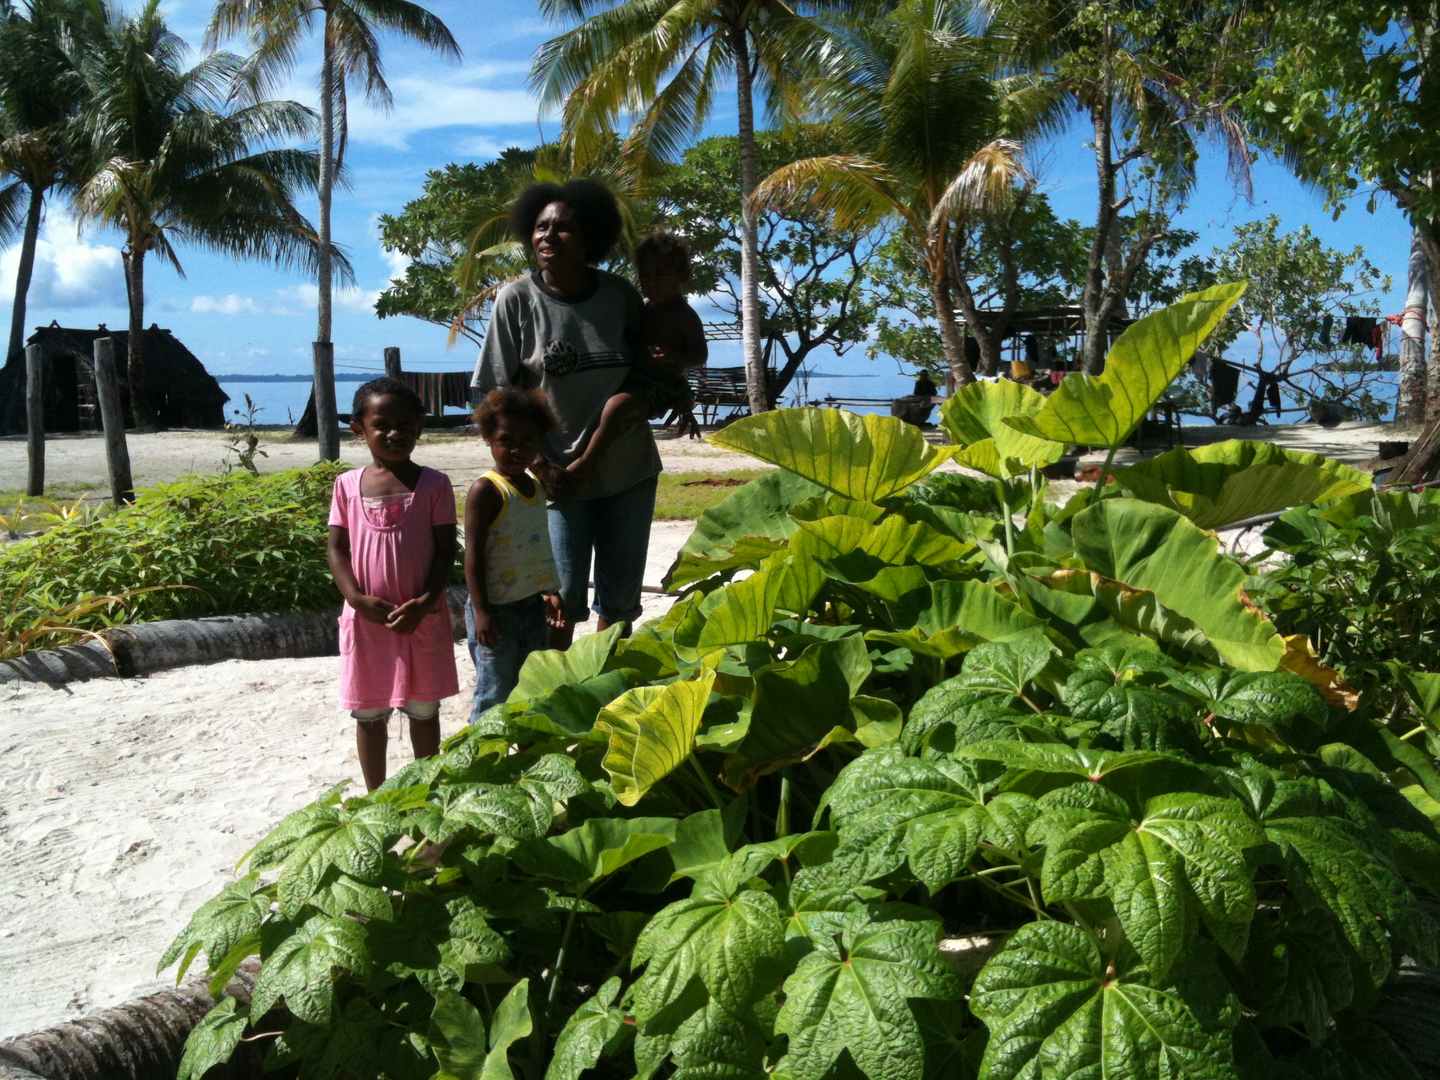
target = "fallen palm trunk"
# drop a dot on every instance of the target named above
(140, 1040)
(148, 647)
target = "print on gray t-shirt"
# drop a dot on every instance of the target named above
(578, 351)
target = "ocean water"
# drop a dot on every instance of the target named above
(284, 402)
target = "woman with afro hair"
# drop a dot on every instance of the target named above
(572, 329)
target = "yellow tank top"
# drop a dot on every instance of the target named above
(518, 561)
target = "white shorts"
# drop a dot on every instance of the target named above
(415, 710)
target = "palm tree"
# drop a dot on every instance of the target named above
(911, 93)
(350, 51)
(1146, 86)
(614, 61)
(39, 98)
(171, 162)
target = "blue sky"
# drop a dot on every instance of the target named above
(253, 318)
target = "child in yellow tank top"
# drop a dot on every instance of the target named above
(509, 570)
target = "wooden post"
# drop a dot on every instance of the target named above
(392, 361)
(327, 427)
(35, 417)
(107, 389)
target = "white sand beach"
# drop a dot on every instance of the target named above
(124, 804)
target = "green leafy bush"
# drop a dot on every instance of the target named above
(1361, 579)
(209, 545)
(900, 788)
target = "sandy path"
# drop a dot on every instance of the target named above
(80, 459)
(125, 803)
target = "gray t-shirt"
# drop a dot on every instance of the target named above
(578, 351)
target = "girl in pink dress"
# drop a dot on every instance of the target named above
(392, 543)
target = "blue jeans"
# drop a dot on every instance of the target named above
(616, 528)
(519, 630)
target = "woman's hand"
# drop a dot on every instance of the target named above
(557, 481)
(372, 609)
(486, 631)
(554, 612)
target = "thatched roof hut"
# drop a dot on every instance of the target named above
(182, 392)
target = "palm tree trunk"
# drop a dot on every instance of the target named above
(327, 181)
(135, 375)
(1429, 233)
(1410, 403)
(755, 374)
(951, 338)
(27, 268)
(1093, 299)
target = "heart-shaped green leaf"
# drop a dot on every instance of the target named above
(861, 457)
(1102, 410)
(651, 731)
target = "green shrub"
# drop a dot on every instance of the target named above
(209, 545)
(1361, 579)
(729, 846)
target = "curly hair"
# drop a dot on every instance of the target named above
(385, 386)
(664, 246)
(533, 405)
(595, 209)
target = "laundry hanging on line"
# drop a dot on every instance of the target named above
(438, 389)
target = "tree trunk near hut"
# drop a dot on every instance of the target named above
(25, 272)
(135, 373)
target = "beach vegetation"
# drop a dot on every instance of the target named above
(1358, 577)
(212, 545)
(922, 776)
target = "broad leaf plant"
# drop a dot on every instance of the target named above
(923, 776)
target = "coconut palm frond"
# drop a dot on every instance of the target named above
(986, 184)
(858, 192)
(13, 199)
(411, 21)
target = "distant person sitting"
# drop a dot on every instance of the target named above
(924, 386)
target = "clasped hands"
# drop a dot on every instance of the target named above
(402, 618)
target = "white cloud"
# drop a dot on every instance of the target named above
(480, 146)
(69, 273)
(229, 304)
(484, 95)
(307, 296)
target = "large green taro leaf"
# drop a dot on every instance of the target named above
(736, 613)
(1217, 485)
(1180, 849)
(856, 546)
(1153, 548)
(545, 671)
(1057, 1008)
(1102, 410)
(853, 994)
(595, 850)
(741, 529)
(974, 417)
(652, 732)
(797, 702)
(861, 457)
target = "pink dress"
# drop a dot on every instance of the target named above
(391, 546)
